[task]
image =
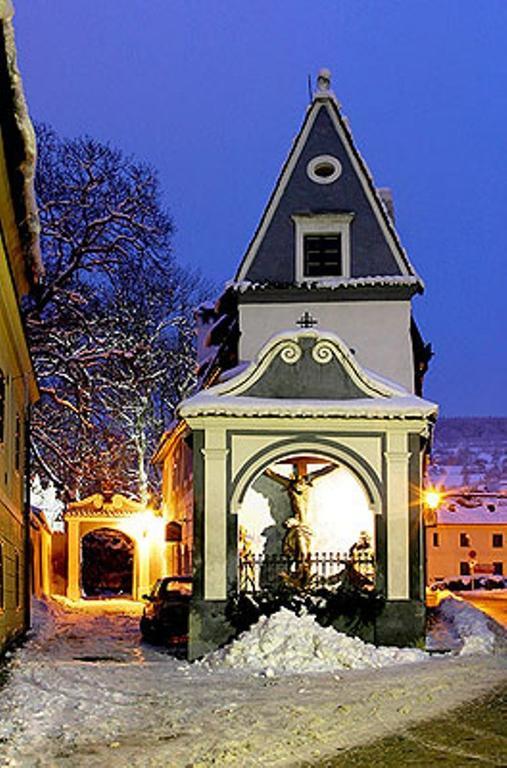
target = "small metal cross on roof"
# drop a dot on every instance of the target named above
(307, 320)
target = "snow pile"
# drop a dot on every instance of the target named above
(285, 642)
(474, 628)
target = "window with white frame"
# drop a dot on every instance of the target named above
(322, 246)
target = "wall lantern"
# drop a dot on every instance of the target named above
(173, 532)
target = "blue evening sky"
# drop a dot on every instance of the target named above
(211, 93)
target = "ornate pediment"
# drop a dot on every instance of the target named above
(99, 505)
(306, 374)
(306, 365)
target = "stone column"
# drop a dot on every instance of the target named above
(215, 515)
(73, 559)
(398, 530)
(143, 566)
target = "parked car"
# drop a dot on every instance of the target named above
(165, 615)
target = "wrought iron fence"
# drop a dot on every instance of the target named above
(258, 572)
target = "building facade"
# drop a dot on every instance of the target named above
(20, 268)
(469, 539)
(308, 433)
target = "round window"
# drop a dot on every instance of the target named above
(324, 169)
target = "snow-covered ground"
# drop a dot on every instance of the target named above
(84, 691)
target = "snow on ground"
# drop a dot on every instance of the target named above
(285, 642)
(84, 691)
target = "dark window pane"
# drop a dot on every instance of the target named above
(498, 540)
(2, 598)
(436, 542)
(17, 581)
(464, 569)
(17, 443)
(498, 569)
(324, 170)
(2, 406)
(322, 256)
(464, 540)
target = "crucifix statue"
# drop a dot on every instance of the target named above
(297, 541)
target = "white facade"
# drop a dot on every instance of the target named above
(377, 331)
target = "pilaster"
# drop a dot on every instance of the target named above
(73, 561)
(215, 515)
(397, 458)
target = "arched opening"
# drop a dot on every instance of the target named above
(305, 518)
(107, 563)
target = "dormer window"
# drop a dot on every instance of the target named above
(322, 246)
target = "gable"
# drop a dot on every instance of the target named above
(306, 374)
(306, 365)
(297, 373)
(374, 246)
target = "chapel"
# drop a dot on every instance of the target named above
(301, 453)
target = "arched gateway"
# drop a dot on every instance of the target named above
(115, 546)
(107, 563)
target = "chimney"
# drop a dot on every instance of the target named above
(386, 196)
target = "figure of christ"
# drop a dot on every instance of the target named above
(297, 541)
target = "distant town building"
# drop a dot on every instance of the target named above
(20, 268)
(469, 539)
(308, 433)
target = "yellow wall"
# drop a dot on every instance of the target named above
(444, 560)
(16, 368)
(177, 495)
(11, 477)
(40, 538)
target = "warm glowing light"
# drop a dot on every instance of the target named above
(338, 510)
(432, 498)
(144, 525)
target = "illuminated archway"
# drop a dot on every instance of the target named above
(305, 508)
(107, 563)
(338, 507)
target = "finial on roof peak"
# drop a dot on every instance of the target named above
(323, 89)
(324, 79)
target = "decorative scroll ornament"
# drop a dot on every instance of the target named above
(323, 352)
(291, 352)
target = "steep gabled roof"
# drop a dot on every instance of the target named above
(376, 249)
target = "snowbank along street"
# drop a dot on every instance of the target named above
(84, 691)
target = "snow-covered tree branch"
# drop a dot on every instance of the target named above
(110, 327)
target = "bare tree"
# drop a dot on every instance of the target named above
(110, 326)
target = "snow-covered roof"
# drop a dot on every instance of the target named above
(332, 284)
(208, 404)
(325, 105)
(19, 140)
(490, 511)
(366, 395)
(99, 506)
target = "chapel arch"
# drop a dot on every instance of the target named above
(305, 505)
(327, 451)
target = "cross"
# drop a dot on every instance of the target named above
(307, 321)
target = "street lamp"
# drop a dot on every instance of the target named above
(432, 500)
